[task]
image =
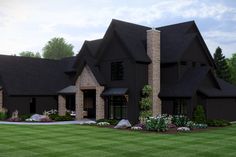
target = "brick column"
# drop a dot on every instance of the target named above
(1, 99)
(100, 109)
(153, 51)
(61, 105)
(79, 106)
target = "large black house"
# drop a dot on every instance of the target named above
(105, 79)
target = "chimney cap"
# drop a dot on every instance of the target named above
(153, 29)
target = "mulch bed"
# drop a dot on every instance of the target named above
(169, 131)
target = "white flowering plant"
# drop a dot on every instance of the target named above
(103, 124)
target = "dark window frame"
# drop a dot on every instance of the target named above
(180, 107)
(117, 107)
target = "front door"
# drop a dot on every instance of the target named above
(90, 103)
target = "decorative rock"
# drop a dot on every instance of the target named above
(183, 129)
(36, 118)
(123, 124)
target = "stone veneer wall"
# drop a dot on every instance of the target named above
(153, 51)
(61, 105)
(1, 99)
(86, 80)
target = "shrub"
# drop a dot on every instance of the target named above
(23, 117)
(147, 89)
(14, 117)
(57, 117)
(111, 121)
(179, 120)
(199, 115)
(103, 124)
(145, 103)
(190, 124)
(200, 126)
(3, 114)
(218, 123)
(159, 124)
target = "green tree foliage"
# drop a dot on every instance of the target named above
(57, 48)
(145, 102)
(232, 68)
(199, 115)
(30, 54)
(222, 68)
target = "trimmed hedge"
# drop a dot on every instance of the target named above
(111, 121)
(57, 117)
(218, 123)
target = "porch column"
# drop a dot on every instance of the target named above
(79, 106)
(61, 105)
(100, 109)
(1, 99)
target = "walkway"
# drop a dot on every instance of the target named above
(83, 121)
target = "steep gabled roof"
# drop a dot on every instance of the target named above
(32, 76)
(86, 57)
(187, 86)
(132, 36)
(175, 39)
(227, 90)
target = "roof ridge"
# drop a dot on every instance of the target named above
(181, 23)
(25, 57)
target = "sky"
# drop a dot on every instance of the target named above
(27, 25)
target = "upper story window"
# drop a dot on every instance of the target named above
(117, 71)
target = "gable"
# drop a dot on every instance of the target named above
(86, 78)
(115, 50)
(196, 53)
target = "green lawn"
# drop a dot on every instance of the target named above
(89, 141)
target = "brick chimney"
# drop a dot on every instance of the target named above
(153, 51)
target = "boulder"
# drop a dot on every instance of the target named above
(123, 124)
(183, 129)
(36, 117)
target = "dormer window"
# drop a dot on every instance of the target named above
(117, 71)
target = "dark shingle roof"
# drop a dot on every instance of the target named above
(87, 57)
(187, 86)
(32, 76)
(175, 39)
(227, 90)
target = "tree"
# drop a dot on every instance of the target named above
(30, 54)
(222, 68)
(199, 115)
(232, 68)
(57, 48)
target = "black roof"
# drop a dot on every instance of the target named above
(227, 90)
(32, 76)
(175, 40)
(187, 86)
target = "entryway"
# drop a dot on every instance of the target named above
(89, 103)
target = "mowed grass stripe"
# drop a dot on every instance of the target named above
(76, 140)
